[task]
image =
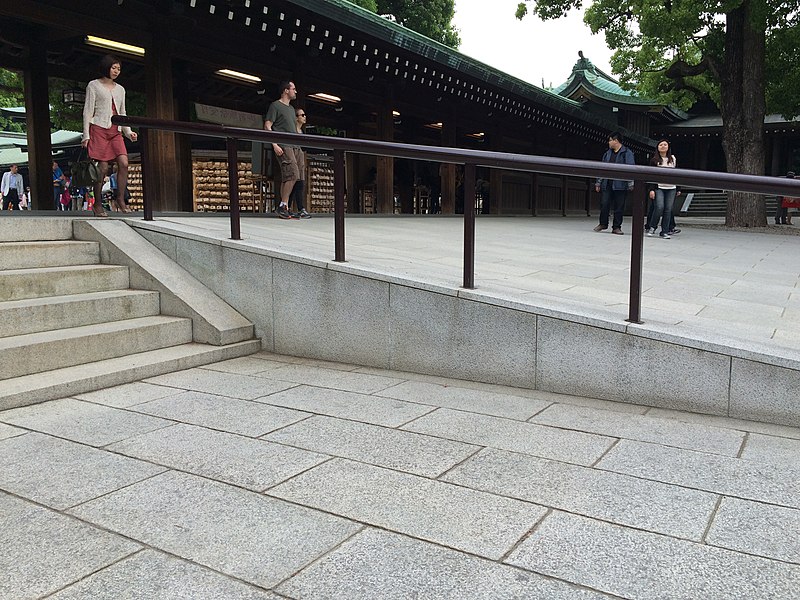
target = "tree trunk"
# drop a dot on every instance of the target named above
(743, 107)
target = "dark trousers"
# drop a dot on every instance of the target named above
(11, 199)
(612, 200)
(297, 195)
(780, 214)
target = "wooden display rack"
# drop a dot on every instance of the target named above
(210, 183)
(319, 183)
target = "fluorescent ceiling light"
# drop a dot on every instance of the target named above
(395, 113)
(477, 136)
(99, 42)
(238, 75)
(434, 125)
(325, 97)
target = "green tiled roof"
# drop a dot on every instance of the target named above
(598, 83)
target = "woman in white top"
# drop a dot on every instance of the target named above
(105, 98)
(664, 194)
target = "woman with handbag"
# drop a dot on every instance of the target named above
(105, 98)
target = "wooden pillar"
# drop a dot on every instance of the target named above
(448, 171)
(37, 109)
(385, 165)
(183, 148)
(352, 164)
(162, 153)
(495, 143)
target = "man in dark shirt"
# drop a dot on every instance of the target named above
(614, 191)
(281, 117)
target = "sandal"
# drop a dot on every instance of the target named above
(120, 206)
(99, 213)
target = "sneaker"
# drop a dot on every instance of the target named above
(600, 228)
(675, 232)
(664, 236)
(283, 212)
(617, 231)
(303, 214)
(651, 232)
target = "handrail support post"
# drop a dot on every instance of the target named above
(469, 226)
(637, 252)
(233, 186)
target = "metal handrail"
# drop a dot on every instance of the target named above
(470, 159)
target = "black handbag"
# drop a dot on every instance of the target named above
(86, 172)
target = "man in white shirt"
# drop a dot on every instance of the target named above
(12, 188)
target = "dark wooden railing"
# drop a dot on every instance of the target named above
(470, 159)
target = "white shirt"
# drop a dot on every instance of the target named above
(97, 109)
(665, 163)
(11, 180)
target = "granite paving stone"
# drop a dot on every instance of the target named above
(220, 412)
(400, 450)
(234, 385)
(149, 574)
(244, 365)
(756, 528)
(349, 405)
(246, 535)
(379, 564)
(60, 474)
(639, 503)
(242, 461)
(81, 421)
(506, 434)
(129, 394)
(777, 483)
(487, 403)
(457, 517)
(42, 550)
(643, 428)
(7, 431)
(641, 565)
(729, 422)
(331, 378)
(769, 448)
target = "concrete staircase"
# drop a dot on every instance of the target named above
(713, 204)
(71, 324)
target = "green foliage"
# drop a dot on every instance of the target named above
(432, 18)
(10, 95)
(673, 50)
(370, 5)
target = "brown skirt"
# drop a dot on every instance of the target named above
(105, 144)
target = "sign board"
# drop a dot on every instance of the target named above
(226, 116)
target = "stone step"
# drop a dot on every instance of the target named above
(32, 315)
(59, 383)
(61, 281)
(34, 228)
(31, 255)
(46, 350)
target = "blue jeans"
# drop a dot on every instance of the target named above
(612, 199)
(662, 209)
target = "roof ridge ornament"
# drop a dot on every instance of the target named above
(584, 64)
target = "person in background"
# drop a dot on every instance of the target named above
(785, 203)
(614, 191)
(299, 189)
(58, 185)
(281, 117)
(103, 140)
(11, 188)
(664, 194)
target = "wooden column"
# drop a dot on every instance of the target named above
(385, 165)
(448, 171)
(495, 142)
(37, 109)
(161, 154)
(183, 147)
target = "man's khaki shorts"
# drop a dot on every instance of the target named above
(290, 170)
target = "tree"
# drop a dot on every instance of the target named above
(682, 51)
(432, 18)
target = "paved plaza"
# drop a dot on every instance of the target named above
(275, 477)
(270, 476)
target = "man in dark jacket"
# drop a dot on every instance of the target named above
(614, 191)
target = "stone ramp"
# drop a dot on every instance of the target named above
(271, 476)
(721, 330)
